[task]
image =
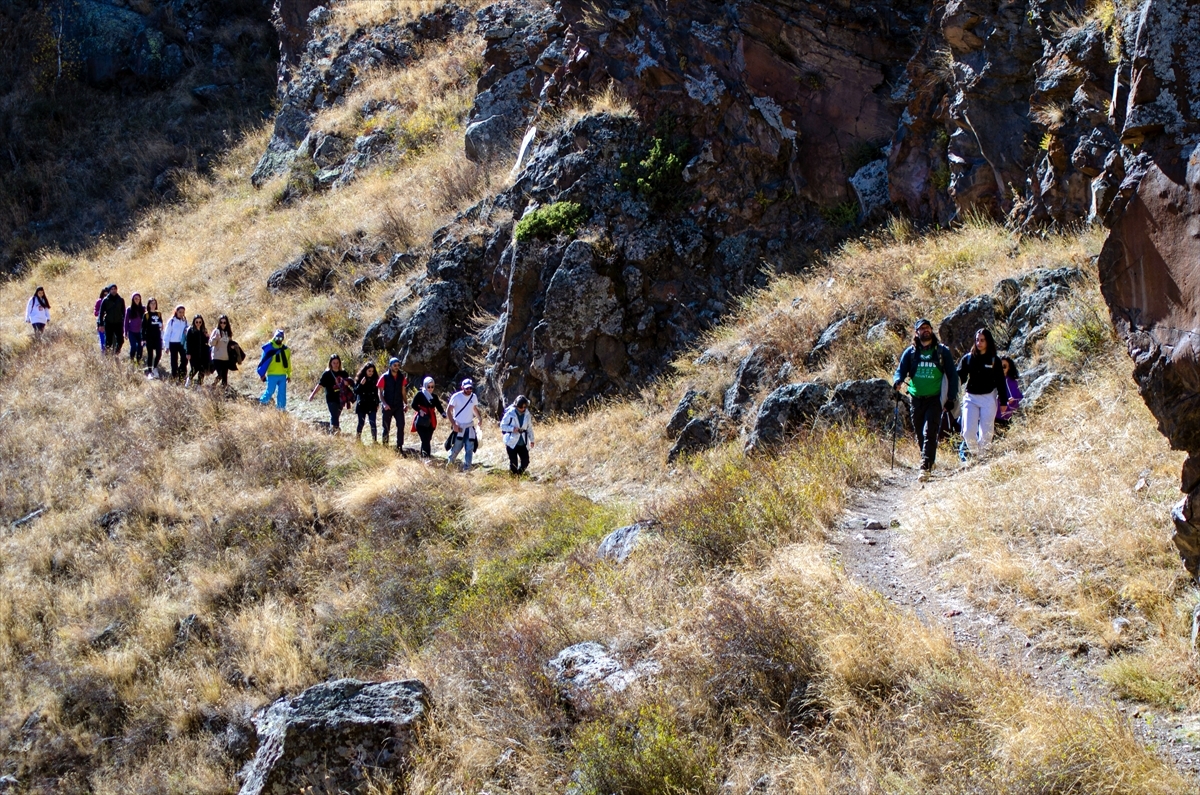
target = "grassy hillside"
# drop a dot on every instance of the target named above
(198, 557)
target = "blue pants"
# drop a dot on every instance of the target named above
(276, 384)
(135, 346)
(467, 447)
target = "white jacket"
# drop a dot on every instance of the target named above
(513, 426)
(175, 330)
(36, 313)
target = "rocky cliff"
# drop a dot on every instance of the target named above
(1148, 266)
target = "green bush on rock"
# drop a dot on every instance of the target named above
(550, 220)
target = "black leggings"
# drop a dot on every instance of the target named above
(153, 353)
(220, 368)
(426, 434)
(364, 417)
(178, 360)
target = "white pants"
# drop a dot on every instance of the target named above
(979, 420)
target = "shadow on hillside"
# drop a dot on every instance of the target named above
(82, 151)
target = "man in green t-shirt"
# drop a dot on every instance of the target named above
(932, 386)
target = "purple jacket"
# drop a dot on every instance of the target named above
(133, 319)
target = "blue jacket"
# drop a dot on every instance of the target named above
(908, 366)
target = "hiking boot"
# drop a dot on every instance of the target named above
(924, 476)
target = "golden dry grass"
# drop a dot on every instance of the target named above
(213, 252)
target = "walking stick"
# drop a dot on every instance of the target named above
(895, 422)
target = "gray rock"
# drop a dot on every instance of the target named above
(619, 544)
(746, 379)
(957, 330)
(870, 183)
(879, 331)
(336, 733)
(588, 665)
(682, 414)
(783, 411)
(831, 334)
(487, 138)
(699, 434)
(1042, 387)
(869, 401)
(310, 271)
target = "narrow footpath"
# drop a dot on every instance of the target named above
(872, 546)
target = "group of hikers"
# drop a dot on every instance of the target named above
(990, 382)
(195, 352)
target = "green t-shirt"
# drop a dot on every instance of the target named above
(927, 377)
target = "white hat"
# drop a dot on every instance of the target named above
(467, 382)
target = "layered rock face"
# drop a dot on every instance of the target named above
(1149, 267)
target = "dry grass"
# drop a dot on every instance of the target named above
(213, 252)
(352, 15)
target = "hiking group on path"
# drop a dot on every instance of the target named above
(195, 352)
(990, 381)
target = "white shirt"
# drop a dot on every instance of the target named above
(175, 330)
(461, 409)
(36, 313)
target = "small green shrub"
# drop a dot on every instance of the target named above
(941, 177)
(1081, 335)
(550, 220)
(646, 752)
(657, 175)
(844, 214)
(862, 153)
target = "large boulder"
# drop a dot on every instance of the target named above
(957, 329)
(871, 402)
(783, 411)
(334, 735)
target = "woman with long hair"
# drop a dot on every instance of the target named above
(984, 388)
(218, 343)
(332, 380)
(366, 399)
(135, 314)
(37, 312)
(152, 334)
(175, 335)
(195, 345)
(99, 322)
(1012, 381)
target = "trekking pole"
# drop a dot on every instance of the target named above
(895, 422)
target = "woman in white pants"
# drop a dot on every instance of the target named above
(983, 386)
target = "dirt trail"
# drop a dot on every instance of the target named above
(872, 545)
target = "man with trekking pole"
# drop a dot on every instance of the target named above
(932, 385)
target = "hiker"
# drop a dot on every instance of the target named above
(392, 387)
(984, 388)
(96, 312)
(112, 317)
(426, 406)
(275, 368)
(174, 335)
(199, 357)
(1008, 409)
(152, 334)
(932, 385)
(134, 316)
(463, 412)
(37, 311)
(332, 379)
(366, 394)
(517, 427)
(218, 348)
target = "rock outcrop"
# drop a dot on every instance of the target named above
(1148, 265)
(333, 735)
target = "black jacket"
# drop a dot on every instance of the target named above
(983, 374)
(112, 311)
(368, 395)
(196, 345)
